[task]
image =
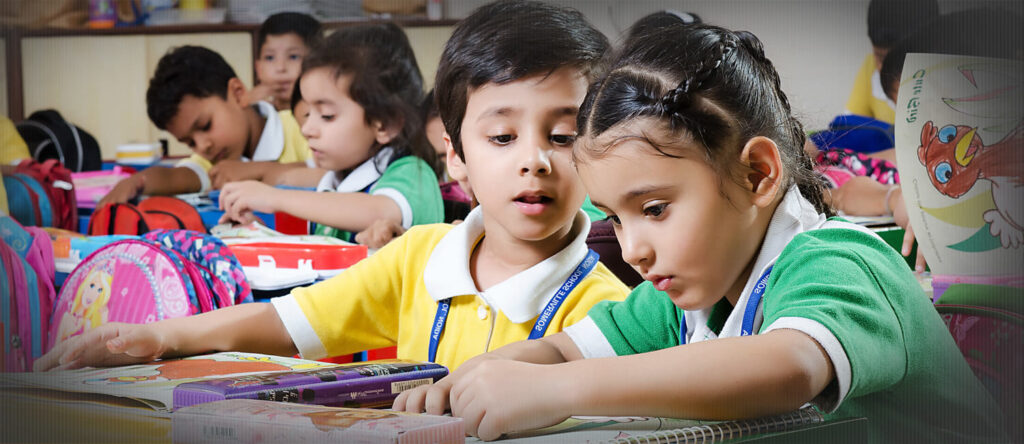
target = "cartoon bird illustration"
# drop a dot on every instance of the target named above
(956, 158)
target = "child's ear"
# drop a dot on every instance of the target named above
(456, 166)
(386, 133)
(764, 178)
(237, 92)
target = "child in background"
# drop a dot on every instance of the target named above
(363, 87)
(282, 41)
(888, 22)
(690, 146)
(516, 73)
(195, 95)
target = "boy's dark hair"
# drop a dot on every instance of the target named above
(891, 20)
(712, 83)
(186, 70)
(386, 81)
(302, 25)
(982, 32)
(505, 41)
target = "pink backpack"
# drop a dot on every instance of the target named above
(128, 281)
(26, 294)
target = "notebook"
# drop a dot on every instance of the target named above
(662, 430)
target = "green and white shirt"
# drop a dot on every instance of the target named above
(894, 359)
(409, 181)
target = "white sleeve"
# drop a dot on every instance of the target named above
(302, 333)
(204, 177)
(589, 339)
(401, 201)
(829, 400)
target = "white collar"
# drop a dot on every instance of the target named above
(794, 215)
(522, 296)
(361, 177)
(271, 142)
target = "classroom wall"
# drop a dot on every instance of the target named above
(816, 45)
(99, 82)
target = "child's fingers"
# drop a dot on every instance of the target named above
(920, 263)
(139, 343)
(908, 241)
(435, 400)
(412, 400)
(472, 415)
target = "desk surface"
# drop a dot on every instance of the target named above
(29, 415)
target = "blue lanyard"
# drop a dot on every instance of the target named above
(748, 314)
(541, 325)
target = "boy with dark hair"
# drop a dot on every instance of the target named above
(196, 96)
(518, 267)
(282, 41)
(888, 22)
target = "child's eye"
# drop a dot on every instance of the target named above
(503, 139)
(206, 127)
(563, 139)
(614, 219)
(294, 57)
(327, 117)
(268, 58)
(655, 210)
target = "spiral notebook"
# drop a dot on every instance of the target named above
(727, 430)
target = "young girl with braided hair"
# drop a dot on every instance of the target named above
(757, 302)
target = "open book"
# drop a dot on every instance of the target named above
(248, 375)
(959, 142)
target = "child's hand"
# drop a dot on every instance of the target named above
(380, 233)
(502, 396)
(261, 92)
(124, 191)
(433, 398)
(239, 200)
(106, 345)
(227, 171)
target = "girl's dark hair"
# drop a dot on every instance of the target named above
(386, 81)
(716, 85)
(507, 40)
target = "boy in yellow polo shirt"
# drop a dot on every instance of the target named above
(511, 78)
(196, 96)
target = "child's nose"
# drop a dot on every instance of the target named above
(202, 145)
(536, 158)
(635, 251)
(308, 128)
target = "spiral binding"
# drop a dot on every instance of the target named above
(726, 430)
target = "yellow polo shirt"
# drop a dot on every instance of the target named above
(281, 141)
(391, 298)
(12, 150)
(867, 98)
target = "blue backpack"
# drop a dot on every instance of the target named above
(857, 133)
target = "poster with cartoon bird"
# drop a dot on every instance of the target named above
(960, 153)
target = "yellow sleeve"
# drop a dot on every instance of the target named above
(3, 200)
(358, 309)
(12, 146)
(860, 99)
(296, 148)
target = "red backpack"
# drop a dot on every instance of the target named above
(153, 213)
(56, 181)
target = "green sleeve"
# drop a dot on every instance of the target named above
(592, 211)
(841, 278)
(646, 320)
(415, 180)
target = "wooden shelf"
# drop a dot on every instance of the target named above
(13, 37)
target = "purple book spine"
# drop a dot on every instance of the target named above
(361, 385)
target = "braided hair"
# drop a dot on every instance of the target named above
(712, 83)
